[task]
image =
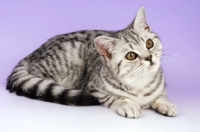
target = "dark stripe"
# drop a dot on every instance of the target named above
(39, 69)
(93, 91)
(19, 86)
(132, 32)
(102, 97)
(83, 31)
(59, 47)
(53, 70)
(156, 37)
(12, 88)
(152, 91)
(75, 38)
(133, 36)
(13, 73)
(48, 95)
(8, 85)
(125, 38)
(62, 97)
(103, 102)
(57, 59)
(132, 94)
(119, 64)
(19, 65)
(72, 71)
(34, 89)
(50, 55)
(64, 63)
(130, 46)
(78, 38)
(129, 70)
(142, 39)
(17, 74)
(81, 99)
(49, 73)
(47, 60)
(84, 99)
(81, 52)
(113, 85)
(43, 68)
(45, 73)
(88, 38)
(153, 80)
(138, 38)
(57, 56)
(110, 104)
(73, 44)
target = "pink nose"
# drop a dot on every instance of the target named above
(149, 58)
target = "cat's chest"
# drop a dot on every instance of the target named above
(138, 91)
(139, 86)
(145, 92)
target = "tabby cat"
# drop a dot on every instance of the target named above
(120, 70)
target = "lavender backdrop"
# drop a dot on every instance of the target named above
(25, 25)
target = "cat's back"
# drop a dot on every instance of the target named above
(66, 56)
(78, 44)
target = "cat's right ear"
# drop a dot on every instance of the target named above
(105, 46)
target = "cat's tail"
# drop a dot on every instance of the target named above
(26, 84)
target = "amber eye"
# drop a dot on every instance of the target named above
(149, 44)
(131, 56)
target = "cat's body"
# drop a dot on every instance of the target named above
(119, 70)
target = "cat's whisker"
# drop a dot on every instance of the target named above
(165, 66)
(172, 60)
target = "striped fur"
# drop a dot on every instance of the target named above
(90, 68)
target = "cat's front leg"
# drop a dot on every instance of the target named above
(130, 110)
(125, 107)
(164, 107)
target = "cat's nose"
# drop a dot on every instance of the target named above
(149, 58)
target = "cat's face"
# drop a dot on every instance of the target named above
(136, 51)
(135, 55)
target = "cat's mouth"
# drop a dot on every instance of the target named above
(151, 63)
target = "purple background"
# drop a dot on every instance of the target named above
(25, 25)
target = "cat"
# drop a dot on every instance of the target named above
(118, 69)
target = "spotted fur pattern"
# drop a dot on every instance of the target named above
(90, 68)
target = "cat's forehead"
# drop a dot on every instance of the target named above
(135, 41)
(133, 37)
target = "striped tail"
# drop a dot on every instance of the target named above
(23, 83)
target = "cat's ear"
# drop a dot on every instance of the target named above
(140, 21)
(105, 46)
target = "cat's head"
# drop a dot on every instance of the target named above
(136, 50)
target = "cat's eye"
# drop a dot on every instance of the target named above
(149, 44)
(131, 56)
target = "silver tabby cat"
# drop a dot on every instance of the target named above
(120, 70)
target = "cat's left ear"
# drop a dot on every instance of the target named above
(140, 22)
(105, 46)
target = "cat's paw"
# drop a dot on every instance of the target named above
(165, 108)
(129, 110)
